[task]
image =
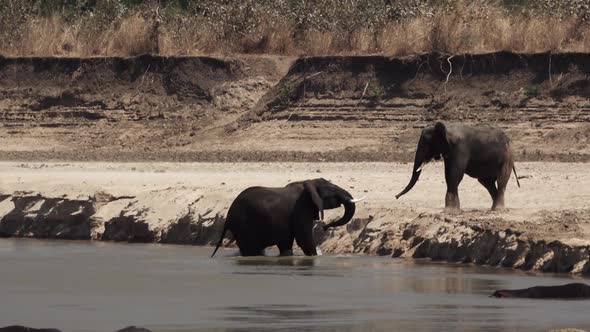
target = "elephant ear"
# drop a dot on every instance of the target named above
(441, 132)
(315, 197)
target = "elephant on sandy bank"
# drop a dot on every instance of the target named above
(569, 291)
(482, 152)
(261, 217)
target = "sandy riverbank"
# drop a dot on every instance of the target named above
(546, 226)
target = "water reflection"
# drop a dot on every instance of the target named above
(282, 314)
(445, 285)
(275, 261)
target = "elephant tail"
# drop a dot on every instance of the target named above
(220, 239)
(515, 175)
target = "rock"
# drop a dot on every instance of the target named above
(457, 239)
(126, 228)
(134, 328)
(168, 215)
(46, 217)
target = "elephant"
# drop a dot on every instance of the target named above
(569, 291)
(261, 217)
(482, 152)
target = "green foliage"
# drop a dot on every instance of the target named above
(554, 8)
(565, 8)
(286, 95)
(376, 92)
(531, 91)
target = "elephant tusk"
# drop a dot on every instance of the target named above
(318, 250)
(358, 199)
(419, 169)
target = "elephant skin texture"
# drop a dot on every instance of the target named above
(482, 152)
(569, 291)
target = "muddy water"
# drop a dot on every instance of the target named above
(82, 286)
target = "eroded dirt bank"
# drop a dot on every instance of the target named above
(546, 228)
(265, 108)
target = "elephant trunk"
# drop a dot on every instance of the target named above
(349, 208)
(418, 163)
(411, 184)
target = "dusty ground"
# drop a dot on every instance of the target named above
(553, 203)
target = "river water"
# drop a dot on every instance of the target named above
(94, 286)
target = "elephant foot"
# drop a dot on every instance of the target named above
(452, 203)
(252, 254)
(310, 251)
(285, 253)
(498, 205)
(452, 210)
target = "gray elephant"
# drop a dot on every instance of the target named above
(481, 152)
(261, 217)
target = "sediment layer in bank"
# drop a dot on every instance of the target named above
(265, 108)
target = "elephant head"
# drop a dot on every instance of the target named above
(434, 143)
(325, 195)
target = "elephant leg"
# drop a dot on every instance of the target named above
(286, 248)
(453, 176)
(502, 183)
(304, 238)
(252, 252)
(490, 185)
(250, 245)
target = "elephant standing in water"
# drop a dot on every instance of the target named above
(261, 217)
(481, 152)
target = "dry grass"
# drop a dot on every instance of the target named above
(463, 30)
(133, 37)
(53, 37)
